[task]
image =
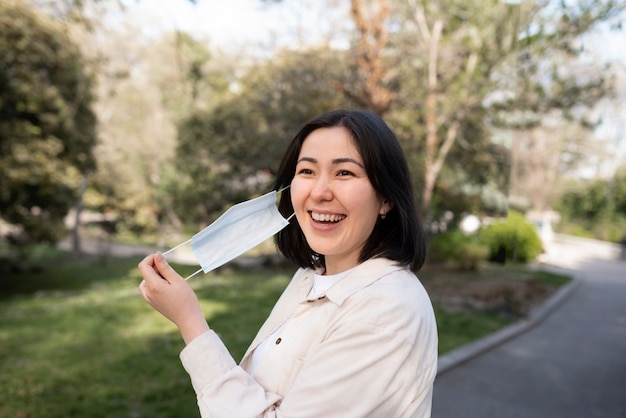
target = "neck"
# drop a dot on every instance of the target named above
(338, 266)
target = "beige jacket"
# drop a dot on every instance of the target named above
(367, 348)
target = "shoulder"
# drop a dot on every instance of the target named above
(399, 290)
(393, 282)
(394, 298)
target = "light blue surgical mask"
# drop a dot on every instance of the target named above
(242, 227)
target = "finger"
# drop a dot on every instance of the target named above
(148, 270)
(162, 267)
(148, 261)
(146, 292)
(142, 288)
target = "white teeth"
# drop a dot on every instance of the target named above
(326, 217)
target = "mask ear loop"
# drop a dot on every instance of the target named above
(178, 246)
(193, 274)
(279, 191)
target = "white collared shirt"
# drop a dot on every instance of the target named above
(321, 283)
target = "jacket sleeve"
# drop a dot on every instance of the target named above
(222, 387)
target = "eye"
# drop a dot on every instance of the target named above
(344, 173)
(304, 171)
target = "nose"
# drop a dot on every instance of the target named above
(321, 190)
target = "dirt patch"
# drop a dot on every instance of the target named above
(494, 289)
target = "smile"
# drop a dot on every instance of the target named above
(320, 217)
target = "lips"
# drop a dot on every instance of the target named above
(327, 217)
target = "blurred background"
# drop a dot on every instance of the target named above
(129, 125)
(142, 118)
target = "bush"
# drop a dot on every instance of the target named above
(454, 246)
(471, 255)
(516, 237)
(444, 245)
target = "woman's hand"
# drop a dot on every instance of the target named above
(167, 292)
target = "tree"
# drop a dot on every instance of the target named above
(370, 90)
(452, 60)
(400, 53)
(146, 86)
(229, 152)
(445, 54)
(47, 127)
(549, 108)
(594, 207)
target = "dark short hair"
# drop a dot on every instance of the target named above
(400, 236)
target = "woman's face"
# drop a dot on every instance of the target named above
(334, 201)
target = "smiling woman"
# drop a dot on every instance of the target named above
(354, 333)
(334, 201)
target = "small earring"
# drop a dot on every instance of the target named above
(383, 215)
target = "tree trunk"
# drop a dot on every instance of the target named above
(432, 135)
(373, 94)
(76, 248)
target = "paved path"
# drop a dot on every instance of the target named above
(573, 364)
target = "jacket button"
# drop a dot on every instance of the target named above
(278, 341)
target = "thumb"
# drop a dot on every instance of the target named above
(164, 269)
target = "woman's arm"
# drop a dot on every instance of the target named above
(167, 292)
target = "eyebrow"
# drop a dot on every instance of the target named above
(335, 161)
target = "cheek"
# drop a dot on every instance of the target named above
(297, 194)
(363, 196)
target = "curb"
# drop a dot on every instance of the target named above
(471, 350)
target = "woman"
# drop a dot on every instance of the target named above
(353, 334)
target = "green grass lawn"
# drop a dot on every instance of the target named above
(77, 339)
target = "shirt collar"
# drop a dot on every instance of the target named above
(362, 276)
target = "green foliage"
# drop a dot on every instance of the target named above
(47, 128)
(497, 64)
(476, 38)
(194, 79)
(464, 188)
(595, 208)
(516, 237)
(454, 246)
(471, 255)
(232, 128)
(443, 246)
(141, 102)
(228, 153)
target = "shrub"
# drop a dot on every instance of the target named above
(454, 246)
(444, 245)
(516, 237)
(470, 255)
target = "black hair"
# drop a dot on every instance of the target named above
(400, 236)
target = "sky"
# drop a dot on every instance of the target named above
(248, 23)
(241, 23)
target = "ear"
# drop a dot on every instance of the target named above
(386, 207)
